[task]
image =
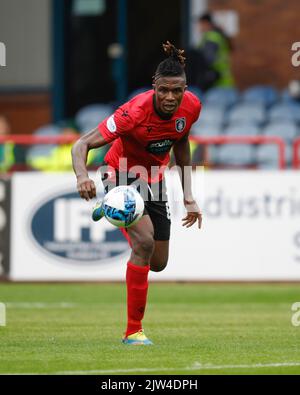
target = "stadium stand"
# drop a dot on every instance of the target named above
(208, 154)
(261, 94)
(267, 156)
(242, 129)
(40, 153)
(206, 130)
(250, 113)
(90, 116)
(48, 130)
(287, 111)
(288, 131)
(287, 98)
(258, 111)
(213, 115)
(222, 96)
(236, 155)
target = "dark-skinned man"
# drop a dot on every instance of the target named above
(143, 131)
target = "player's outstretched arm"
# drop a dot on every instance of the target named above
(183, 160)
(85, 186)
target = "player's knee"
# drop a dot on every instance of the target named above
(147, 245)
(143, 245)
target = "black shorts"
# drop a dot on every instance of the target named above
(155, 199)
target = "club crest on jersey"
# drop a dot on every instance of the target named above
(180, 124)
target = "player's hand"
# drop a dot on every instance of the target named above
(86, 188)
(193, 214)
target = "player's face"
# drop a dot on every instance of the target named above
(169, 93)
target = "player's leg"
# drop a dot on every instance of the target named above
(160, 216)
(160, 256)
(142, 241)
(142, 244)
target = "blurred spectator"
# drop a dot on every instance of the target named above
(210, 62)
(58, 157)
(52, 158)
(7, 158)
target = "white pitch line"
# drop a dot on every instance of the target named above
(196, 367)
(39, 305)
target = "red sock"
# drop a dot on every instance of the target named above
(137, 287)
(126, 235)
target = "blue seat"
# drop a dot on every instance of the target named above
(287, 111)
(286, 130)
(267, 156)
(37, 151)
(43, 149)
(205, 130)
(212, 115)
(261, 94)
(222, 96)
(90, 116)
(209, 130)
(242, 130)
(212, 154)
(287, 98)
(47, 130)
(248, 113)
(236, 155)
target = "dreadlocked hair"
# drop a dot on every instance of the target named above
(174, 65)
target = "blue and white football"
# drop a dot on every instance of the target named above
(123, 206)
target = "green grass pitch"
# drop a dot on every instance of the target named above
(196, 328)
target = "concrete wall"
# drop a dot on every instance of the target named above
(25, 31)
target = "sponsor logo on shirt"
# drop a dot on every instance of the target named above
(180, 124)
(160, 146)
(111, 124)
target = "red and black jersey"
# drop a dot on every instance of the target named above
(142, 137)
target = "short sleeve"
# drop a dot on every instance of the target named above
(122, 122)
